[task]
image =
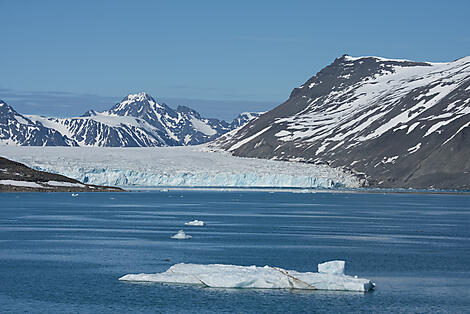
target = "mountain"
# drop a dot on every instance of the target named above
(19, 130)
(398, 123)
(16, 177)
(137, 121)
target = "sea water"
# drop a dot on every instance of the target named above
(64, 254)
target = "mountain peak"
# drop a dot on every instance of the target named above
(142, 96)
(135, 104)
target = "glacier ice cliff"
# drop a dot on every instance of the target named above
(193, 166)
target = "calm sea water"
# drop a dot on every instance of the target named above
(63, 254)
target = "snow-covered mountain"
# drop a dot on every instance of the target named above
(137, 121)
(17, 129)
(398, 122)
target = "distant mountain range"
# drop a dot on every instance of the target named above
(397, 123)
(137, 121)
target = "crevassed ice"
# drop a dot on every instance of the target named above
(175, 166)
(267, 277)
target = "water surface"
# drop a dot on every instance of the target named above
(64, 254)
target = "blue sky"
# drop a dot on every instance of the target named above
(64, 57)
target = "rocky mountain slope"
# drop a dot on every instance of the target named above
(137, 121)
(398, 123)
(18, 129)
(16, 177)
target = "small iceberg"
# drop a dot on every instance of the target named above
(195, 222)
(181, 236)
(329, 277)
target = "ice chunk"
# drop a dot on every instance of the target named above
(331, 267)
(181, 236)
(195, 222)
(267, 277)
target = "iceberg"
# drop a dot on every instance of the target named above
(195, 222)
(267, 277)
(332, 267)
(181, 235)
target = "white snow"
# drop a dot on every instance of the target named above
(202, 127)
(355, 114)
(175, 166)
(181, 235)
(414, 149)
(65, 184)
(392, 160)
(21, 183)
(267, 277)
(21, 120)
(242, 142)
(195, 222)
(350, 58)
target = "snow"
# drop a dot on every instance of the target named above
(414, 149)
(202, 127)
(21, 120)
(355, 113)
(466, 125)
(267, 277)
(21, 183)
(392, 160)
(195, 222)
(349, 58)
(242, 142)
(66, 184)
(175, 166)
(181, 235)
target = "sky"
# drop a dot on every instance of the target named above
(62, 58)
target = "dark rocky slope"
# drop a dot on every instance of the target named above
(398, 123)
(16, 177)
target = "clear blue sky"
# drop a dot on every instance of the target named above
(219, 57)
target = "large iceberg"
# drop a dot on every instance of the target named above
(190, 166)
(267, 277)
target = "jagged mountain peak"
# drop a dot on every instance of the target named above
(138, 120)
(138, 97)
(136, 105)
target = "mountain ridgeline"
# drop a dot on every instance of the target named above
(137, 121)
(397, 123)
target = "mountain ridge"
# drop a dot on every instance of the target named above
(137, 121)
(397, 122)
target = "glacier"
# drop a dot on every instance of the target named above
(189, 166)
(267, 277)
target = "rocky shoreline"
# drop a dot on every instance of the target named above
(16, 177)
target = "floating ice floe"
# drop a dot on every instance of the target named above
(329, 277)
(195, 222)
(181, 236)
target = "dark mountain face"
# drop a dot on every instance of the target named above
(137, 121)
(397, 122)
(17, 129)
